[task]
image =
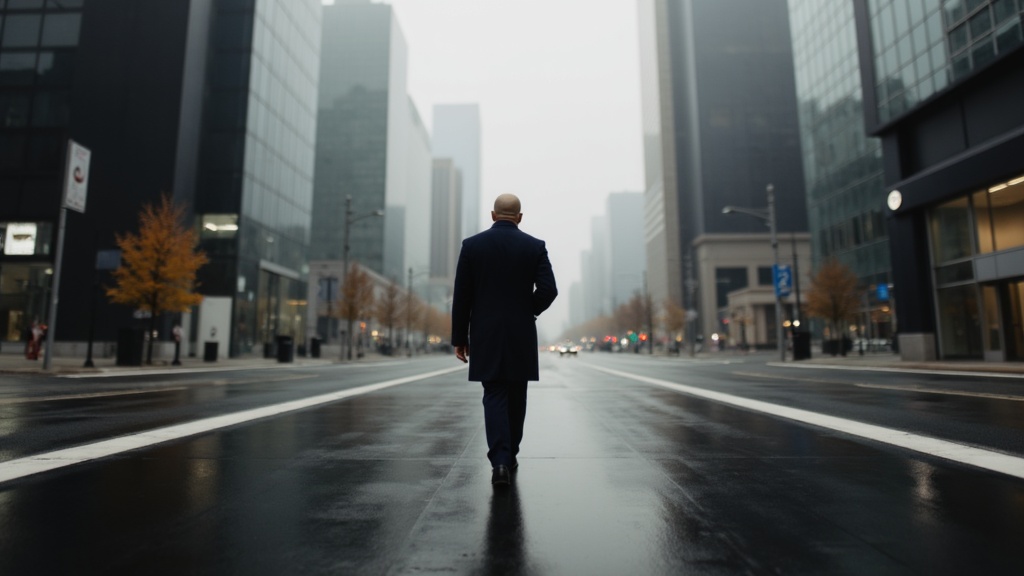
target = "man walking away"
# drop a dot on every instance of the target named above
(503, 281)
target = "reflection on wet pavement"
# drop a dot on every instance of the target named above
(616, 477)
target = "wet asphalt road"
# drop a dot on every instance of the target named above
(617, 476)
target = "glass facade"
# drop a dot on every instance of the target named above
(842, 165)
(256, 168)
(38, 42)
(923, 46)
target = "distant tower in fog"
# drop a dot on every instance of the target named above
(457, 136)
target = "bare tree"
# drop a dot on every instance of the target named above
(357, 300)
(389, 311)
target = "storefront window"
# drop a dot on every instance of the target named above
(983, 222)
(959, 322)
(1008, 214)
(951, 231)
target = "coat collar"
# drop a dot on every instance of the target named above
(504, 224)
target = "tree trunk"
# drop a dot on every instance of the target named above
(149, 346)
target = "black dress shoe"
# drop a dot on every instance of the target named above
(500, 476)
(515, 465)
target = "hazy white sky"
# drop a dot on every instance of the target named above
(558, 84)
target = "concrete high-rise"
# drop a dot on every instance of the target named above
(720, 124)
(625, 241)
(445, 216)
(457, 136)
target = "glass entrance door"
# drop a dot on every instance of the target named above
(1013, 319)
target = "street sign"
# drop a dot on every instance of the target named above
(882, 292)
(76, 177)
(782, 275)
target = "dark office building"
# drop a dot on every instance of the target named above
(720, 124)
(943, 87)
(210, 101)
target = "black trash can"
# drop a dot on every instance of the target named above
(285, 348)
(130, 346)
(314, 347)
(801, 345)
(210, 351)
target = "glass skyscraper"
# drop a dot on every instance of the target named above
(254, 191)
(364, 134)
(842, 165)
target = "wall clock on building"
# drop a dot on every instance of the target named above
(895, 200)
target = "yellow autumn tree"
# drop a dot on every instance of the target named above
(357, 301)
(158, 265)
(833, 296)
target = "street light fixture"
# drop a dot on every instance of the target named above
(768, 215)
(351, 218)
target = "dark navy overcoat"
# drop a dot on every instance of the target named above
(503, 281)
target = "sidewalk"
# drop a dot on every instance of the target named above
(14, 362)
(869, 360)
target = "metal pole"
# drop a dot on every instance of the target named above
(346, 348)
(796, 280)
(408, 313)
(51, 323)
(775, 257)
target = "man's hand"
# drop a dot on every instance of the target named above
(462, 353)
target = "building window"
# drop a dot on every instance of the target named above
(728, 280)
(764, 276)
(17, 68)
(1008, 214)
(21, 31)
(14, 109)
(960, 322)
(51, 109)
(951, 231)
(61, 29)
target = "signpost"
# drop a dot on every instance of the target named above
(76, 184)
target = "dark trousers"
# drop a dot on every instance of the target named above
(504, 415)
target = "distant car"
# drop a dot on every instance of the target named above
(567, 348)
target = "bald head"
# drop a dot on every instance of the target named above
(507, 207)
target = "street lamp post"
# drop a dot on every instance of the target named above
(408, 311)
(768, 215)
(350, 218)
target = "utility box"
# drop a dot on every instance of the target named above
(210, 351)
(285, 348)
(801, 345)
(130, 346)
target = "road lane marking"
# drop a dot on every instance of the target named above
(978, 457)
(29, 465)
